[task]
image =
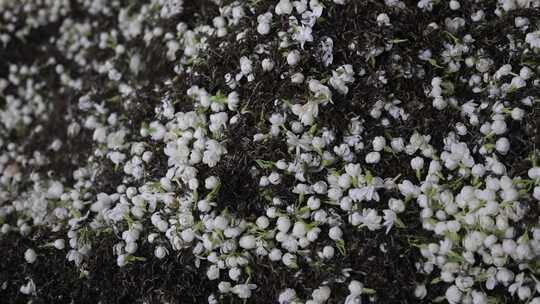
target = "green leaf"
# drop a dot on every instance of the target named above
(397, 40)
(369, 177)
(454, 237)
(368, 291)
(264, 164)
(400, 224)
(454, 257)
(210, 196)
(454, 38)
(439, 299)
(313, 130)
(340, 244)
(372, 62)
(434, 63)
(133, 258)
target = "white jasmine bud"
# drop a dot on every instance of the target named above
(453, 295)
(221, 222)
(454, 5)
(245, 65)
(283, 224)
(383, 19)
(356, 288)
(297, 78)
(147, 156)
(224, 287)
(234, 273)
(263, 182)
(267, 64)
(275, 255)
(211, 182)
(335, 233)
(478, 170)
(346, 203)
(204, 206)
(299, 229)
(30, 256)
(122, 260)
(534, 173)
(397, 144)
(313, 203)
(187, 235)
(379, 143)
(263, 27)
(320, 187)
(328, 252)
(505, 276)
(524, 292)
(262, 222)
(131, 247)
(28, 288)
(313, 234)
(193, 184)
(284, 7)
(498, 127)
(160, 252)
(373, 157)
(396, 205)
(213, 272)
(502, 145)
(420, 291)
(517, 113)
(59, 244)
(417, 163)
(293, 57)
(243, 291)
(247, 242)
(287, 296)
(321, 294)
(536, 193)
(274, 178)
(289, 260)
